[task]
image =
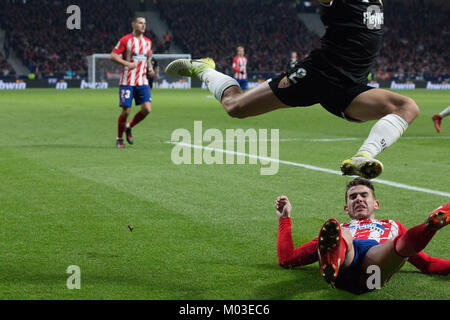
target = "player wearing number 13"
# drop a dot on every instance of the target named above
(136, 52)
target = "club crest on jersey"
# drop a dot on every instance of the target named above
(284, 83)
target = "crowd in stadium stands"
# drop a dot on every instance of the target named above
(415, 46)
(268, 31)
(416, 35)
(36, 31)
(5, 68)
(416, 42)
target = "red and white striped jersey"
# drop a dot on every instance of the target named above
(134, 50)
(240, 65)
(379, 230)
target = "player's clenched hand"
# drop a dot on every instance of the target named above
(151, 72)
(131, 65)
(283, 207)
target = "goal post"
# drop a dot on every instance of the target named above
(101, 68)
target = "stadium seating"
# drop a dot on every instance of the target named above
(415, 48)
(47, 48)
(268, 30)
(5, 68)
(415, 45)
(416, 42)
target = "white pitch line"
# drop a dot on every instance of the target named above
(361, 138)
(329, 139)
(314, 168)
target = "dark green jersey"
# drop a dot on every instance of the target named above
(353, 37)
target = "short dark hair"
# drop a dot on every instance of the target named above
(135, 17)
(359, 182)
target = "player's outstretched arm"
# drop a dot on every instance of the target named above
(288, 256)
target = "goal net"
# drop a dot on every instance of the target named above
(101, 68)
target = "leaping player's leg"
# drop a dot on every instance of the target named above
(226, 89)
(391, 255)
(253, 102)
(394, 113)
(437, 118)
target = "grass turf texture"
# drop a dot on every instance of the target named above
(200, 231)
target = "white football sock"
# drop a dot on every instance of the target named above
(383, 134)
(445, 113)
(217, 82)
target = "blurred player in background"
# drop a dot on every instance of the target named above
(293, 61)
(133, 52)
(153, 72)
(437, 118)
(240, 68)
(346, 251)
(334, 75)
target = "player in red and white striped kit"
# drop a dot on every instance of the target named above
(347, 251)
(240, 68)
(133, 52)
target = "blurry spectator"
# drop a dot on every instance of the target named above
(293, 61)
(5, 68)
(142, 5)
(167, 41)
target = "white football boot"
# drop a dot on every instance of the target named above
(189, 67)
(362, 165)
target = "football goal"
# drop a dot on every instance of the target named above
(101, 68)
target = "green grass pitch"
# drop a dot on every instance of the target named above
(200, 231)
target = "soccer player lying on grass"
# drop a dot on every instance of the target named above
(437, 118)
(346, 251)
(334, 76)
